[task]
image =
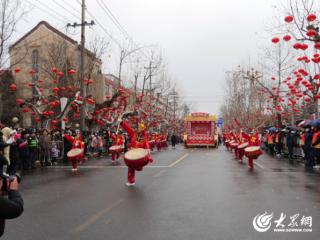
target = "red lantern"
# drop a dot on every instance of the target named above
(20, 101)
(297, 46)
(91, 101)
(65, 119)
(37, 120)
(307, 99)
(60, 74)
(317, 96)
(13, 87)
(55, 90)
(32, 72)
(54, 122)
(25, 110)
(30, 85)
(71, 71)
(311, 17)
(288, 19)
(33, 113)
(50, 112)
(311, 33)
(304, 46)
(55, 81)
(79, 98)
(287, 38)
(317, 45)
(317, 76)
(17, 70)
(275, 40)
(40, 81)
(54, 70)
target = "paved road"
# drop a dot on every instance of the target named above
(188, 194)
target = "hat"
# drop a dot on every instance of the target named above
(12, 132)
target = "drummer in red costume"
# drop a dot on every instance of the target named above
(117, 140)
(253, 141)
(244, 142)
(77, 143)
(138, 140)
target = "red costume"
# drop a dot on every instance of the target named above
(243, 139)
(137, 141)
(76, 143)
(118, 140)
(253, 141)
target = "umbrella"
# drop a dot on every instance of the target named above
(293, 128)
(315, 123)
(272, 129)
(304, 123)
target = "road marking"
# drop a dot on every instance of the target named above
(159, 173)
(96, 217)
(104, 167)
(179, 160)
(259, 165)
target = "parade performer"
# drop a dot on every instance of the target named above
(159, 142)
(76, 154)
(254, 141)
(244, 142)
(117, 146)
(138, 139)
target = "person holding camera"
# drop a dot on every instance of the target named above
(11, 206)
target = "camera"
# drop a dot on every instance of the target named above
(8, 178)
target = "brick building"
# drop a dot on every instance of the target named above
(44, 47)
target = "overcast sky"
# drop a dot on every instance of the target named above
(200, 39)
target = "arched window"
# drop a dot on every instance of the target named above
(35, 60)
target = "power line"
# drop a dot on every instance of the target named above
(76, 16)
(101, 26)
(43, 9)
(47, 7)
(113, 18)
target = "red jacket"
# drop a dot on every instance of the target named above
(135, 143)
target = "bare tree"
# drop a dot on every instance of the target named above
(11, 11)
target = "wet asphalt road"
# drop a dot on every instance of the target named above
(186, 194)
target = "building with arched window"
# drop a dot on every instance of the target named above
(44, 47)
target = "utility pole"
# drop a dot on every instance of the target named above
(83, 24)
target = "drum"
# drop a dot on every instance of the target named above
(136, 158)
(116, 148)
(252, 152)
(234, 145)
(75, 154)
(243, 146)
